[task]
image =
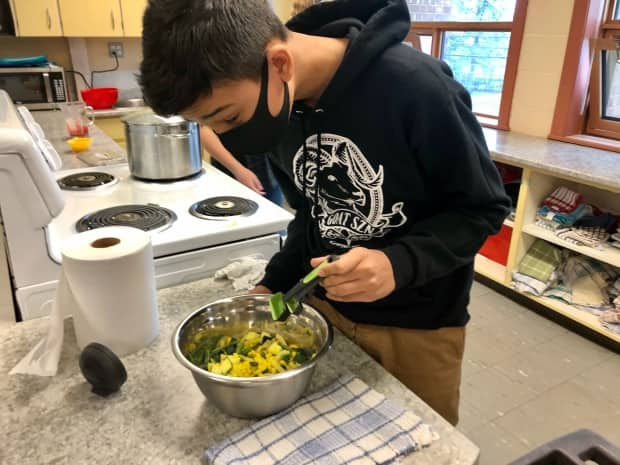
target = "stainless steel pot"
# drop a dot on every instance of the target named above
(159, 148)
(250, 397)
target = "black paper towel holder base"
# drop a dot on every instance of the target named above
(102, 369)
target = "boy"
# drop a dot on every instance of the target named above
(375, 146)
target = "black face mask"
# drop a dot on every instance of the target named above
(263, 131)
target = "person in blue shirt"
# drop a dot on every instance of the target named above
(254, 171)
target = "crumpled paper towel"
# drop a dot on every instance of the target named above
(43, 359)
(244, 272)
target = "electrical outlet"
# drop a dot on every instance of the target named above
(115, 48)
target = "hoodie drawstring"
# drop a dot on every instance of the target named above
(304, 172)
(319, 144)
(304, 169)
(304, 159)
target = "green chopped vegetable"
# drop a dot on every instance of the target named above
(252, 354)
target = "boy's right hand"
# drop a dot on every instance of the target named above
(260, 289)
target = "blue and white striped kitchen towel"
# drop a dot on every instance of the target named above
(345, 423)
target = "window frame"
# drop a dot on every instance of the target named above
(515, 27)
(609, 39)
(574, 103)
(595, 124)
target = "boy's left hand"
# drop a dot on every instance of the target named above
(360, 275)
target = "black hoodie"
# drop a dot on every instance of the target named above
(403, 168)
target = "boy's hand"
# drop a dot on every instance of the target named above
(360, 275)
(248, 178)
(260, 289)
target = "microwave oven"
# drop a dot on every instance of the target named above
(37, 88)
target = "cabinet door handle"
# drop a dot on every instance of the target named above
(48, 18)
(112, 20)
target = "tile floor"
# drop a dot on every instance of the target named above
(527, 380)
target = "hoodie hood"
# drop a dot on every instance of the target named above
(370, 25)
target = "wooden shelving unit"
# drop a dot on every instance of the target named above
(490, 269)
(535, 187)
(608, 254)
(581, 316)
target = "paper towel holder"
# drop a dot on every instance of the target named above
(102, 369)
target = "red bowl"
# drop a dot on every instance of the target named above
(100, 98)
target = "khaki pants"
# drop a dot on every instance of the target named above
(426, 361)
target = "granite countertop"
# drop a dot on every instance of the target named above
(582, 164)
(103, 151)
(159, 416)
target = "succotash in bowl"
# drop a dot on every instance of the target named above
(252, 397)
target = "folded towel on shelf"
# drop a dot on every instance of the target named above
(586, 292)
(565, 294)
(610, 319)
(607, 221)
(549, 224)
(564, 218)
(560, 291)
(585, 283)
(611, 316)
(611, 327)
(590, 237)
(589, 280)
(541, 260)
(614, 289)
(347, 422)
(594, 310)
(563, 200)
(529, 285)
(579, 266)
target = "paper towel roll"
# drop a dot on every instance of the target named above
(110, 288)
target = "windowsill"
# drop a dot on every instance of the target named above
(587, 140)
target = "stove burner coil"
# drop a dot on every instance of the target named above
(223, 207)
(144, 217)
(87, 181)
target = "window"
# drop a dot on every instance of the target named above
(480, 40)
(603, 112)
(587, 109)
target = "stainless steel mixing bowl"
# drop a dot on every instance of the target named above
(250, 397)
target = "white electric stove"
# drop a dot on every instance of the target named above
(196, 225)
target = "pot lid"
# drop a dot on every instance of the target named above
(149, 117)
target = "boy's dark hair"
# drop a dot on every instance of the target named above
(188, 45)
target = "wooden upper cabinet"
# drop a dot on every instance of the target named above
(37, 18)
(133, 10)
(91, 18)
